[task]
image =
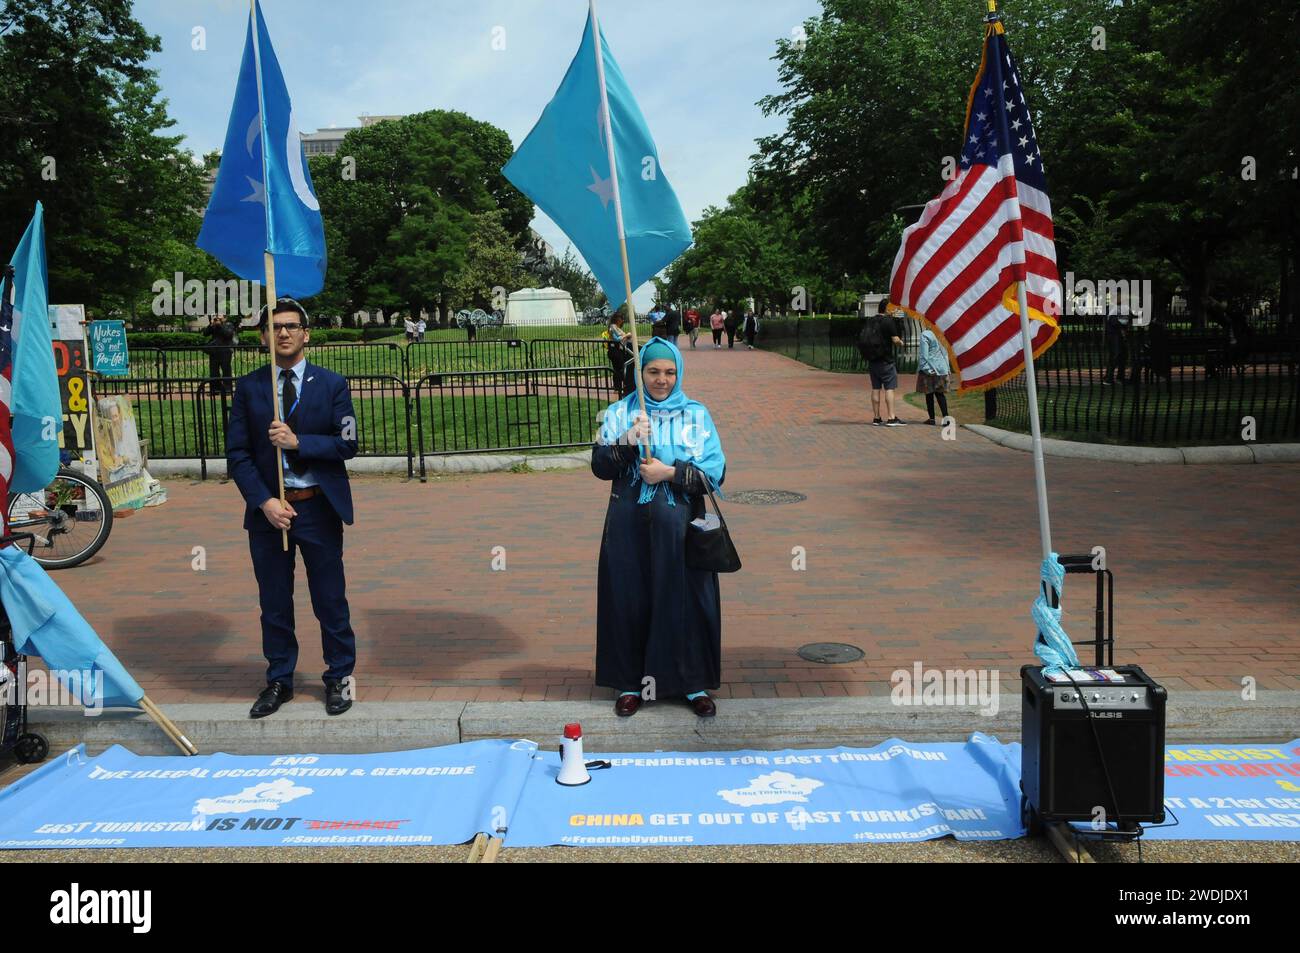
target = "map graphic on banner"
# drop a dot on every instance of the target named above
(118, 799)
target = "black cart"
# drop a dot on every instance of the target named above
(16, 739)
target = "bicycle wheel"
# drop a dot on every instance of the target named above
(71, 519)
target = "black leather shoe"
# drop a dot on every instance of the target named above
(625, 706)
(336, 702)
(273, 696)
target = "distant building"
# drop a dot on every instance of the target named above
(326, 142)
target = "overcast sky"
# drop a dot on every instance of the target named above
(697, 68)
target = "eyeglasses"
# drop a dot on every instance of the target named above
(287, 328)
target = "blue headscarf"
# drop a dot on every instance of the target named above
(681, 428)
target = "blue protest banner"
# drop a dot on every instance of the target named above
(118, 799)
(895, 791)
(1231, 792)
(108, 352)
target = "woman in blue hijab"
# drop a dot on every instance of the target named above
(658, 624)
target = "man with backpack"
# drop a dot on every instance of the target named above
(876, 344)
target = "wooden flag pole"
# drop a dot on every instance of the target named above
(168, 727)
(275, 394)
(618, 210)
(268, 260)
(172, 736)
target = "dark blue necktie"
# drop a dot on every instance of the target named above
(290, 404)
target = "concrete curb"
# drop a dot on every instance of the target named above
(1246, 453)
(302, 727)
(468, 463)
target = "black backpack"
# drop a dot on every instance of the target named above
(871, 342)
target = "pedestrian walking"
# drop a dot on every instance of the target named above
(731, 322)
(717, 323)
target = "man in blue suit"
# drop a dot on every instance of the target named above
(316, 432)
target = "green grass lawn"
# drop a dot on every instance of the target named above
(965, 408)
(1203, 412)
(442, 352)
(482, 423)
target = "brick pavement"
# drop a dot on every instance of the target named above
(917, 550)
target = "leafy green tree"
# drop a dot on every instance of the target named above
(83, 130)
(874, 103)
(401, 203)
(739, 253)
(491, 262)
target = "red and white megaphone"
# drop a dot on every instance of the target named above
(573, 766)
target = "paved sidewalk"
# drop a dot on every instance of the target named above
(917, 549)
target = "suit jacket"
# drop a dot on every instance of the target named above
(250, 456)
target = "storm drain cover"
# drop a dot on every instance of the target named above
(830, 653)
(765, 497)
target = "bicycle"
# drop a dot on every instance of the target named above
(70, 519)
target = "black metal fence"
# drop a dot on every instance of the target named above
(455, 413)
(409, 363)
(832, 343)
(1163, 386)
(509, 410)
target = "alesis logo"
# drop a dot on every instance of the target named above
(76, 906)
(1106, 714)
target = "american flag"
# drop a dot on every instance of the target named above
(6, 391)
(958, 266)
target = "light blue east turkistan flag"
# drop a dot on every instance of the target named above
(251, 212)
(563, 166)
(46, 624)
(34, 400)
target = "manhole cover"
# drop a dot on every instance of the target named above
(765, 497)
(830, 653)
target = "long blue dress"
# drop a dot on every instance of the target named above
(654, 616)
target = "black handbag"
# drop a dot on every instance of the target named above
(709, 547)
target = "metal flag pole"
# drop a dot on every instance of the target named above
(1031, 386)
(618, 206)
(268, 262)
